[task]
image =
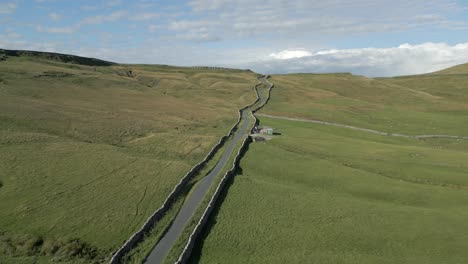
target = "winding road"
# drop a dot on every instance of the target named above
(192, 202)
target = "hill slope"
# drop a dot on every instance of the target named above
(390, 105)
(4, 54)
(450, 84)
(89, 152)
(321, 194)
(458, 69)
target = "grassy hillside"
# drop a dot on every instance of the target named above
(89, 151)
(319, 194)
(325, 194)
(458, 69)
(449, 84)
(55, 57)
(422, 105)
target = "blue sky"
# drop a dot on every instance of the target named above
(368, 37)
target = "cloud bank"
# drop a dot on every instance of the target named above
(290, 54)
(267, 37)
(7, 8)
(402, 60)
(232, 19)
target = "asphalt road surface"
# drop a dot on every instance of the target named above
(192, 203)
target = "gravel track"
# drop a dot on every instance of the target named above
(363, 129)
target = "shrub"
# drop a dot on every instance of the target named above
(62, 249)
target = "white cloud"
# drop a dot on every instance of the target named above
(55, 16)
(153, 28)
(229, 19)
(266, 28)
(113, 2)
(10, 35)
(58, 30)
(402, 60)
(89, 8)
(183, 25)
(290, 54)
(16, 44)
(193, 30)
(45, 1)
(7, 8)
(145, 16)
(86, 21)
(103, 18)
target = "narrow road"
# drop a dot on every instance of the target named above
(192, 203)
(362, 129)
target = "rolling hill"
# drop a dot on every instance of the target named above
(319, 193)
(424, 104)
(91, 148)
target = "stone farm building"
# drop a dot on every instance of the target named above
(266, 130)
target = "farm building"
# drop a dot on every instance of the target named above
(263, 130)
(266, 131)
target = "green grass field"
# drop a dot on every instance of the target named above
(324, 194)
(89, 152)
(391, 105)
(450, 83)
(319, 194)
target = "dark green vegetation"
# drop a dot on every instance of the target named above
(322, 194)
(89, 151)
(54, 57)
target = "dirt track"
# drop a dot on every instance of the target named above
(362, 129)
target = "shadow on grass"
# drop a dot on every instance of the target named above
(212, 219)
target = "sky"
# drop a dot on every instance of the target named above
(365, 37)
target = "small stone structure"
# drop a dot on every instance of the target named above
(266, 131)
(263, 130)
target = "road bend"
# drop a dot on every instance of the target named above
(192, 203)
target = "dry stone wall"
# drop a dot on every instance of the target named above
(158, 214)
(187, 251)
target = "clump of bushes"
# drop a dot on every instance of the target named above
(2, 55)
(60, 249)
(54, 74)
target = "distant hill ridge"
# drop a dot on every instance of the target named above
(66, 58)
(55, 56)
(458, 69)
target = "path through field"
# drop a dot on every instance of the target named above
(362, 129)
